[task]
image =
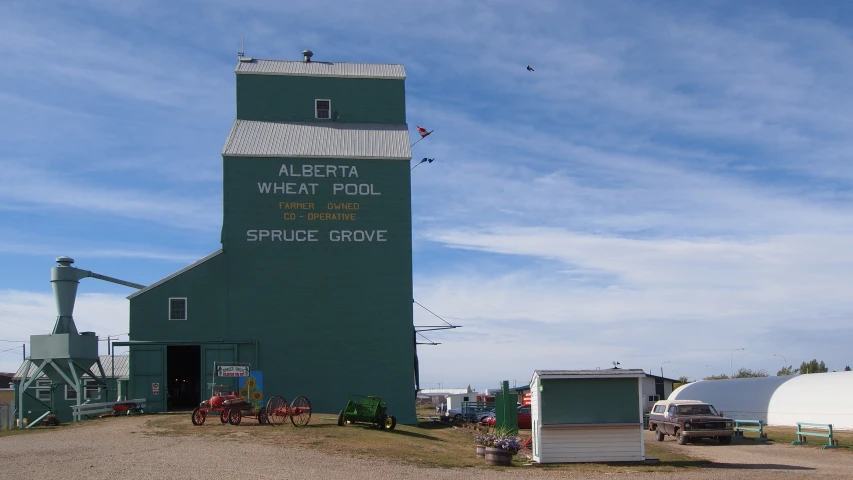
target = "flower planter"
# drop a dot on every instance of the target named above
(498, 456)
(481, 451)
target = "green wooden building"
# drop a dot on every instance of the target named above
(313, 283)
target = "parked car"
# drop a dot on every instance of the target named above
(689, 419)
(457, 416)
(524, 418)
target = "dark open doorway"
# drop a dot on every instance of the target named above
(183, 367)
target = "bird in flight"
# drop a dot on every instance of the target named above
(530, 69)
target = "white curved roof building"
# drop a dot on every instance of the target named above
(812, 398)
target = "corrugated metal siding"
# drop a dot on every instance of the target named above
(321, 69)
(591, 445)
(279, 98)
(306, 140)
(122, 368)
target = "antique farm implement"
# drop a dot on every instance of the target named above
(230, 407)
(298, 411)
(367, 409)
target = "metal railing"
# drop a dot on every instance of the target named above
(747, 426)
(87, 409)
(801, 434)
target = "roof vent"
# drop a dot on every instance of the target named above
(308, 54)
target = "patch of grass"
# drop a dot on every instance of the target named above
(431, 444)
(786, 435)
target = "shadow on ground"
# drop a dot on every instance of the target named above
(756, 466)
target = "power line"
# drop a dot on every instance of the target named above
(10, 349)
(15, 341)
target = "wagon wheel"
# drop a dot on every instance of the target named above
(198, 416)
(223, 416)
(391, 422)
(382, 419)
(277, 410)
(341, 418)
(235, 416)
(262, 416)
(300, 411)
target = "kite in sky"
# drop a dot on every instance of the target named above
(428, 160)
(530, 69)
(423, 133)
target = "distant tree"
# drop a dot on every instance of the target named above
(683, 379)
(747, 373)
(847, 368)
(813, 367)
(786, 371)
(721, 376)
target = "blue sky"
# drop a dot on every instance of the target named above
(673, 182)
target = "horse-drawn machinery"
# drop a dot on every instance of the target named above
(234, 406)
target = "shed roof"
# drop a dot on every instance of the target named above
(167, 278)
(122, 367)
(673, 380)
(259, 66)
(608, 373)
(249, 138)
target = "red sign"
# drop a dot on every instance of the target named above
(525, 400)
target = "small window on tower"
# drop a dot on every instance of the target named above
(177, 309)
(322, 109)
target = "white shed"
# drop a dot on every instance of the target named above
(587, 415)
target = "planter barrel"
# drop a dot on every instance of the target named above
(481, 451)
(498, 456)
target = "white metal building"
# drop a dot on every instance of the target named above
(587, 415)
(656, 388)
(786, 400)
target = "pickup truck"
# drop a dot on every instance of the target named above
(688, 420)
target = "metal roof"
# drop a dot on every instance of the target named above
(258, 66)
(122, 368)
(166, 279)
(249, 138)
(610, 372)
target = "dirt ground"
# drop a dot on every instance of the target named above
(764, 460)
(129, 448)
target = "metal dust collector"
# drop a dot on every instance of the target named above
(65, 356)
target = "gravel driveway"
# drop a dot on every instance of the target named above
(763, 460)
(126, 448)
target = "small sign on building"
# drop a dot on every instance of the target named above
(155, 388)
(232, 370)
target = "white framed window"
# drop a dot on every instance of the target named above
(322, 108)
(178, 308)
(43, 389)
(90, 390)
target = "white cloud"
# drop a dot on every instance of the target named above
(659, 165)
(30, 186)
(118, 252)
(25, 313)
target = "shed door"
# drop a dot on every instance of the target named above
(148, 376)
(216, 353)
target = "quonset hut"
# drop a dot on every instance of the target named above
(313, 284)
(784, 401)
